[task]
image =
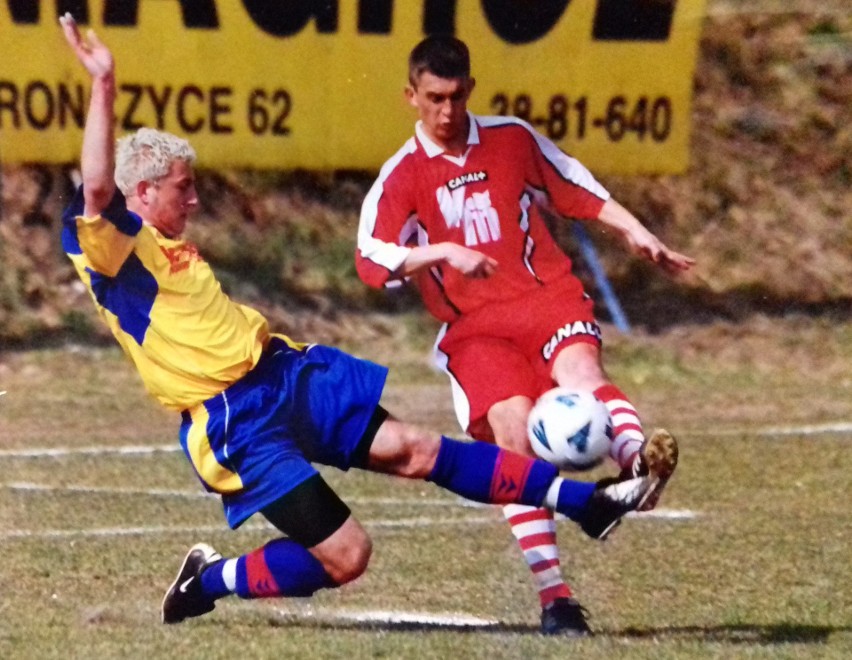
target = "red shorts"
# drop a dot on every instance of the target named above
(506, 349)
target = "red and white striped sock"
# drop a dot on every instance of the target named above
(535, 531)
(627, 435)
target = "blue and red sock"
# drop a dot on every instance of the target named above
(487, 473)
(280, 568)
(475, 470)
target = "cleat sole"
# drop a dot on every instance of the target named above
(660, 454)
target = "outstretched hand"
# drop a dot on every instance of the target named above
(641, 241)
(673, 262)
(91, 51)
(650, 247)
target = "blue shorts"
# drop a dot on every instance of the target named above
(255, 442)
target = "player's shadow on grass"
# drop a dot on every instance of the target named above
(762, 634)
(752, 634)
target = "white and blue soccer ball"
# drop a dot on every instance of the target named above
(570, 429)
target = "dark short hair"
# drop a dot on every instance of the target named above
(441, 55)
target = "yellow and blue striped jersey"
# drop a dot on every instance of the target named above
(162, 301)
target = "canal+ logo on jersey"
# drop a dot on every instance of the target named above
(464, 179)
(473, 213)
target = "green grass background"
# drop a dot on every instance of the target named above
(762, 571)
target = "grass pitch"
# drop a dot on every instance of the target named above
(749, 557)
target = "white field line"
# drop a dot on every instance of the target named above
(661, 513)
(113, 531)
(404, 523)
(52, 452)
(200, 494)
(101, 532)
(778, 431)
(827, 428)
(811, 429)
(665, 514)
(668, 514)
(154, 492)
(388, 617)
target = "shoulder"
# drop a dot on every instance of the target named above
(115, 213)
(505, 124)
(402, 158)
(519, 135)
(402, 166)
(505, 132)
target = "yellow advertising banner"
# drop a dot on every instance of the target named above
(318, 84)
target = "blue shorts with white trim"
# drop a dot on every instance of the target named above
(296, 407)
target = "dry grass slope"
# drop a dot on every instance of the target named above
(764, 207)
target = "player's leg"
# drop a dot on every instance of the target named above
(253, 444)
(486, 473)
(563, 341)
(565, 344)
(334, 413)
(534, 528)
(578, 365)
(494, 386)
(324, 548)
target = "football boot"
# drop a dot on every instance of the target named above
(184, 598)
(612, 499)
(657, 457)
(565, 616)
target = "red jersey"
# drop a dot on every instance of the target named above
(489, 200)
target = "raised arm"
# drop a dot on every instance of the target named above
(575, 193)
(97, 161)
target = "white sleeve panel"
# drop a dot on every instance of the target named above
(385, 254)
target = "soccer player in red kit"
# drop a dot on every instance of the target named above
(458, 210)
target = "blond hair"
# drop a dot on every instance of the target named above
(147, 155)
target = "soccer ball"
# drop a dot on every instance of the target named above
(572, 430)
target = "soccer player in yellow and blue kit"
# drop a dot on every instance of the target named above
(257, 409)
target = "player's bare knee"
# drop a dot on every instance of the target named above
(354, 562)
(578, 366)
(508, 421)
(518, 444)
(420, 451)
(404, 450)
(512, 435)
(346, 554)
